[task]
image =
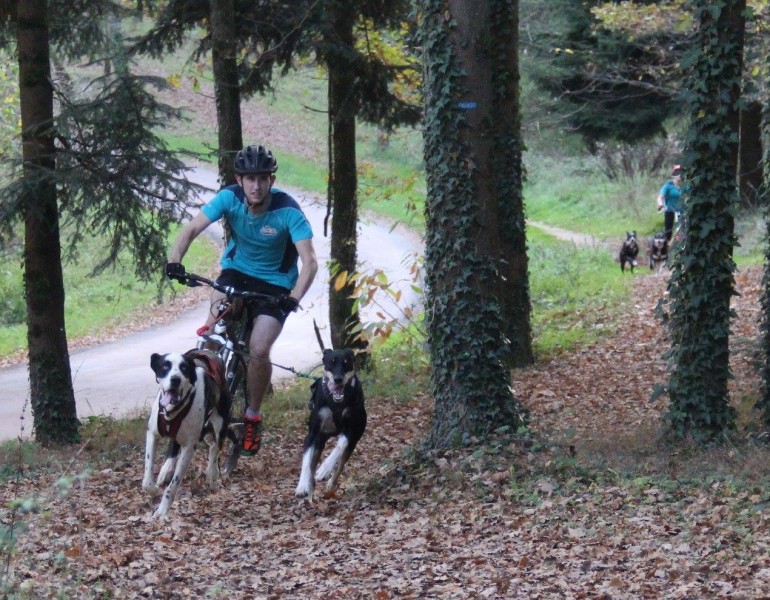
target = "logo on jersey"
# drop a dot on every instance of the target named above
(268, 231)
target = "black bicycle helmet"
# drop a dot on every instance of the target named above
(255, 160)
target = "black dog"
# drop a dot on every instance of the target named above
(336, 408)
(657, 251)
(629, 251)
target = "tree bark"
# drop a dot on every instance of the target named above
(226, 87)
(750, 155)
(702, 282)
(52, 396)
(344, 322)
(467, 209)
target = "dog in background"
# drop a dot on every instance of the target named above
(336, 408)
(657, 251)
(628, 252)
(192, 404)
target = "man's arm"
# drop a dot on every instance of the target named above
(189, 232)
(308, 270)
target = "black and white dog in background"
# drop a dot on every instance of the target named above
(336, 408)
(629, 251)
(657, 249)
(192, 401)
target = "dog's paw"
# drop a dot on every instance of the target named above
(152, 490)
(324, 471)
(160, 514)
(303, 491)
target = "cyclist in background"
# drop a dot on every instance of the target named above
(268, 233)
(670, 201)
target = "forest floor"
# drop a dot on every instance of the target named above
(591, 503)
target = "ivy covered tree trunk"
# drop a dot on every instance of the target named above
(344, 322)
(468, 197)
(764, 402)
(503, 179)
(702, 281)
(52, 397)
(226, 86)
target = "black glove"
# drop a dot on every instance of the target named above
(175, 271)
(288, 304)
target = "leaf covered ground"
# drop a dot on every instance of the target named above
(590, 503)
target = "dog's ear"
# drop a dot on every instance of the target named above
(327, 352)
(156, 362)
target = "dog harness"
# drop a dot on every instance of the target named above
(212, 365)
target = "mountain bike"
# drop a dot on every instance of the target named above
(230, 340)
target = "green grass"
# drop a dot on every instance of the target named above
(572, 289)
(92, 304)
(572, 193)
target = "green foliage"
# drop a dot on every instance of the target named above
(283, 36)
(702, 281)
(13, 308)
(608, 86)
(111, 300)
(572, 192)
(111, 165)
(9, 105)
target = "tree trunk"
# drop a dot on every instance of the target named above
(52, 396)
(469, 194)
(763, 404)
(226, 87)
(702, 282)
(505, 181)
(750, 155)
(343, 182)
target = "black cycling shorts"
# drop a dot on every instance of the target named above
(240, 281)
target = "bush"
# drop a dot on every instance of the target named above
(13, 308)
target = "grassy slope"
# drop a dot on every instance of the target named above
(94, 306)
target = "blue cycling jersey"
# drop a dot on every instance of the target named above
(261, 246)
(672, 197)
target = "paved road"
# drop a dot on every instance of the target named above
(115, 378)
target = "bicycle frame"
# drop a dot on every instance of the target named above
(232, 350)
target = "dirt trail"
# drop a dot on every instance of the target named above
(579, 239)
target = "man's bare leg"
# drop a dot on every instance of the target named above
(264, 334)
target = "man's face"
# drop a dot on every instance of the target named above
(256, 187)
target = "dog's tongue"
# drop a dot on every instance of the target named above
(168, 397)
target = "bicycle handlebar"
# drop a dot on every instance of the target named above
(193, 280)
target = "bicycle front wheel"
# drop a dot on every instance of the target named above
(233, 436)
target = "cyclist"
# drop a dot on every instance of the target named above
(268, 233)
(670, 201)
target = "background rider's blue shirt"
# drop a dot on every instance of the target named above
(261, 246)
(672, 197)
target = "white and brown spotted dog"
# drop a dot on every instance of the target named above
(336, 408)
(192, 402)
